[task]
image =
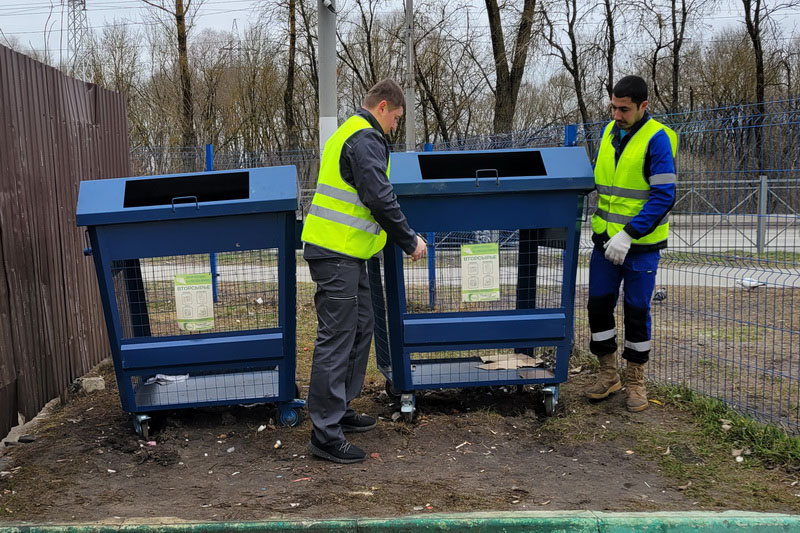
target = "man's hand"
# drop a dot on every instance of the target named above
(421, 250)
(617, 247)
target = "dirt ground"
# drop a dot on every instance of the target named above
(468, 450)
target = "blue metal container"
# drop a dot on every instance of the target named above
(173, 343)
(436, 326)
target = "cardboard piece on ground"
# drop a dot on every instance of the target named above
(508, 361)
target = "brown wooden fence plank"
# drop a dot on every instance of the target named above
(54, 132)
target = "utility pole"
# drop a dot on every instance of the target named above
(77, 32)
(411, 119)
(327, 71)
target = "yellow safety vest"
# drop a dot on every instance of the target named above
(621, 188)
(337, 219)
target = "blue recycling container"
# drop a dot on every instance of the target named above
(493, 304)
(181, 336)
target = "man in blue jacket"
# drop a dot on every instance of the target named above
(635, 181)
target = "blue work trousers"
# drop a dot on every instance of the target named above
(638, 274)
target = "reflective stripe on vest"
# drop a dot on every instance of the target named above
(337, 219)
(621, 188)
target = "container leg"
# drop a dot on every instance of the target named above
(393, 393)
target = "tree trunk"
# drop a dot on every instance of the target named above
(612, 46)
(292, 139)
(508, 79)
(188, 138)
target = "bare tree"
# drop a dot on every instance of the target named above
(188, 138)
(449, 78)
(609, 37)
(508, 78)
(575, 53)
(669, 27)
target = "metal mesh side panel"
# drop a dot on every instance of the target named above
(536, 286)
(481, 366)
(203, 388)
(247, 292)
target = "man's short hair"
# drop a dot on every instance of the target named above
(633, 87)
(386, 89)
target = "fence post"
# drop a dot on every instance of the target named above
(212, 257)
(691, 218)
(570, 134)
(763, 191)
(428, 147)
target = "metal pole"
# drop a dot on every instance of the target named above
(327, 74)
(411, 119)
(763, 190)
(212, 257)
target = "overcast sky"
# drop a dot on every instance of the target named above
(29, 21)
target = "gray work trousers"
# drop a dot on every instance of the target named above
(341, 351)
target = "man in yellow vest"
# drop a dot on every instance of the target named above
(635, 181)
(353, 209)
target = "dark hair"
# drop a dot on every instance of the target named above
(632, 86)
(386, 89)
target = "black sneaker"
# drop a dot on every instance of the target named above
(358, 423)
(338, 452)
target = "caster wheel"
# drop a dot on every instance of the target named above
(408, 406)
(550, 400)
(142, 427)
(549, 405)
(290, 417)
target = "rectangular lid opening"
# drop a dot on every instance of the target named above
(183, 189)
(481, 165)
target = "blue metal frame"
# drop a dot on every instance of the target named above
(264, 220)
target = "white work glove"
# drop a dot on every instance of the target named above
(617, 247)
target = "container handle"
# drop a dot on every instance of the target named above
(488, 170)
(87, 250)
(196, 204)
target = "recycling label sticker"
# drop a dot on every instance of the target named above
(480, 272)
(194, 302)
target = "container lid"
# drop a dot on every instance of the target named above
(491, 171)
(182, 196)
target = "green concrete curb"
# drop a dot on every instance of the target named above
(529, 522)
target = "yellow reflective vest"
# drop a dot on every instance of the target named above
(337, 219)
(622, 189)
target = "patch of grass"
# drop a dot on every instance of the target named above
(583, 358)
(767, 443)
(734, 333)
(738, 258)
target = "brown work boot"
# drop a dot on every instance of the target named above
(607, 379)
(634, 385)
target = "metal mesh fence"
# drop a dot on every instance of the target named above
(244, 297)
(435, 285)
(727, 323)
